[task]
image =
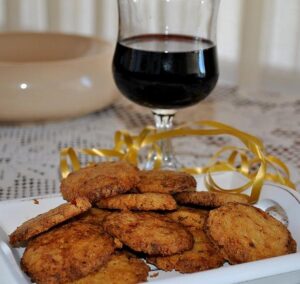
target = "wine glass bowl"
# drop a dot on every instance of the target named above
(165, 71)
(166, 58)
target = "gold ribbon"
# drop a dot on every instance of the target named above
(251, 160)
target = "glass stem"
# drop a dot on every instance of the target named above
(164, 121)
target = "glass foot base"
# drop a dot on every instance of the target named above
(274, 209)
(168, 163)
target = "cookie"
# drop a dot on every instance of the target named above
(121, 269)
(209, 199)
(94, 216)
(202, 256)
(67, 253)
(45, 221)
(164, 181)
(139, 202)
(189, 217)
(245, 233)
(100, 181)
(149, 233)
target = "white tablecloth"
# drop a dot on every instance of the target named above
(29, 153)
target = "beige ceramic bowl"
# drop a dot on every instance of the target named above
(53, 76)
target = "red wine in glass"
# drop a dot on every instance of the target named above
(165, 71)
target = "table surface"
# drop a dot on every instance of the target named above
(29, 153)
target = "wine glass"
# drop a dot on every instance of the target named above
(166, 58)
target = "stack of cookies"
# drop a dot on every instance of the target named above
(118, 219)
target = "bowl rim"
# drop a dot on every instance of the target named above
(107, 45)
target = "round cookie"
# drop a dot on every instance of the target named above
(45, 221)
(164, 181)
(67, 253)
(140, 202)
(190, 217)
(121, 269)
(209, 199)
(245, 233)
(94, 216)
(100, 181)
(202, 256)
(150, 233)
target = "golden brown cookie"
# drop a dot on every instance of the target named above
(163, 181)
(202, 256)
(45, 221)
(121, 269)
(140, 202)
(245, 233)
(150, 233)
(189, 217)
(100, 181)
(94, 216)
(209, 199)
(67, 253)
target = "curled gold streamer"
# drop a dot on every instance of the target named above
(64, 167)
(251, 161)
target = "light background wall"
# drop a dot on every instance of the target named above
(258, 40)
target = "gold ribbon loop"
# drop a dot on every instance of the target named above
(251, 161)
(64, 167)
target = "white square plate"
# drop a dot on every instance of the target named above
(13, 213)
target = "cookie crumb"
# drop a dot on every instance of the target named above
(35, 201)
